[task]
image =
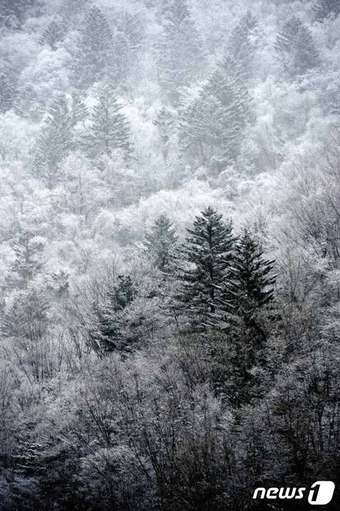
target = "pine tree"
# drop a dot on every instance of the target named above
(28, 248)
(54, 142)
(296, 49)
(325, 8)
(241, 47)
(207, 255)
(109, 129)
(79, 111)
(211, 127)
(94, 55)
(180, 57)
(125, 292)
(8, 86)
(127, 41)
(160, 243)
(52, 35)
(253, 279)
(106, 332)
(26, 315)
(243, 318)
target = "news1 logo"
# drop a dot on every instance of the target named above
(319, 494)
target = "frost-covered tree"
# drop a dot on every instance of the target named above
(26, 315)
(207, 255)
(324, 8)
(180, 55)
(54, 142)
(175, 381)
(127, 41)
(160, 243)
(93, 59)
(8, 86)
(252, 278)
(28, 262)
(52, 35)
(166, 122)
(109, 129)
(241, 45)
(78, 110)
(212, 126)
(71, 12)
(106, 332)
(244, 318)
(16, 9)
(296, 49)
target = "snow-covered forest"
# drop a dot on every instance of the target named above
(170, 252)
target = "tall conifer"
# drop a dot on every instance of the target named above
(207, 255)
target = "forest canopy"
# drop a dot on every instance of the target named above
(170, 253)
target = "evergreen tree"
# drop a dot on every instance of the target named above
(54, 141)
(211, 127)
(109, 129)
(207, 255)
(127, 40)
(180, 57)
(8, 86)
(79, 111)
(27, 247)
(26, 315)
(52, 35)
(160, 243)
(244, 319)
(125, 292)
(296, 49)
(253, 279)
(241, 47)
(107, 328)
(94, 55)
(325, 8)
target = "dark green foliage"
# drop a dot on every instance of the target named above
(296, 49)
(180, 56)
(160, 244)
(212, 126)
(325, 8)
(94, 56)
(207, 254)
(109, 129)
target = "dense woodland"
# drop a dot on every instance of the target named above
(170, 252)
